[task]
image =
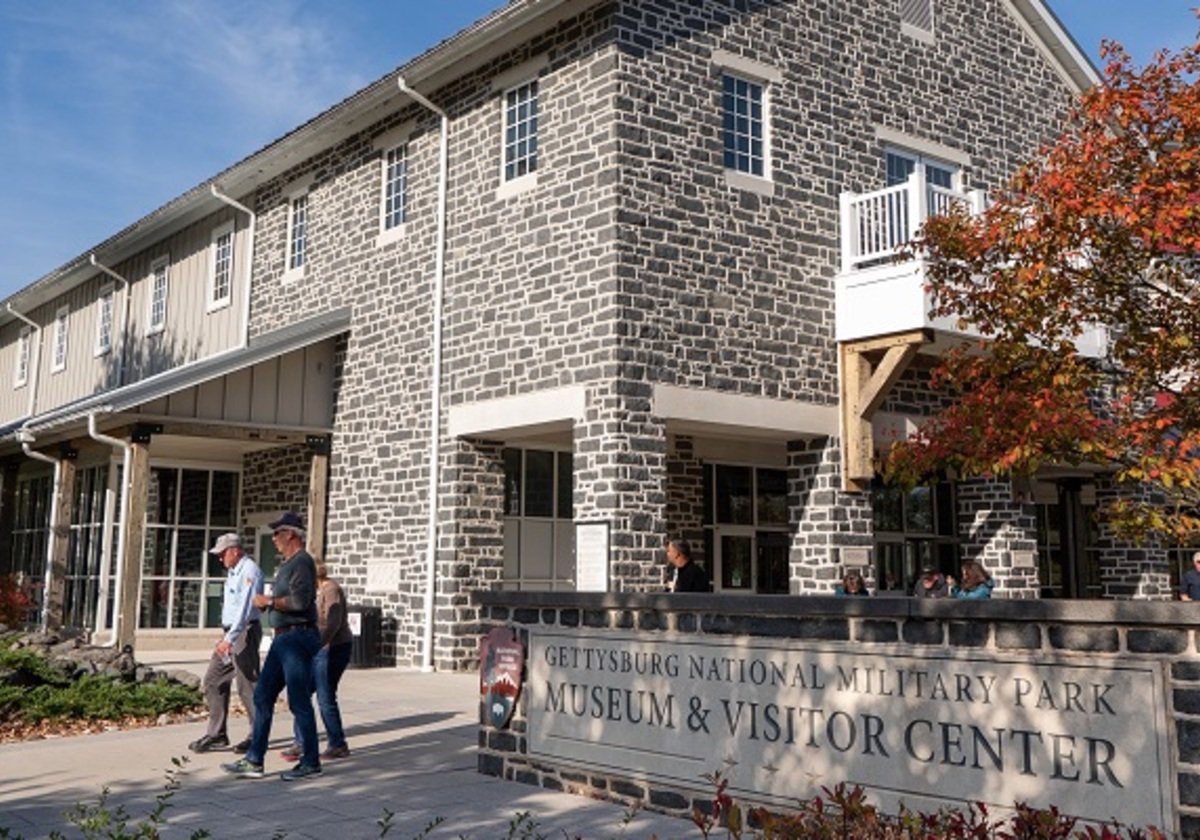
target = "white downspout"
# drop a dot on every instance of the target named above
(34, 361)
(124, 345)
(435, 435)
(122, 529)
(26, 437)
(220, 196)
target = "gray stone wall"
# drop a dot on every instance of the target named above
(1001, 533)
(828, 520)
(1131, 567)
(629, 263)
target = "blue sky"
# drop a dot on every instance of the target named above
(111, 108)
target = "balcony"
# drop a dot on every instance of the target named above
(875, 294)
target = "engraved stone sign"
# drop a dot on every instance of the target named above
(782, 719)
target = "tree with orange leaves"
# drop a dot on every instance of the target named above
(1102, 228)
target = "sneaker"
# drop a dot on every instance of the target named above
(208, 743)
(300, 771)
(241, 747)
(291, 753)
(245, 769)
(335, 752)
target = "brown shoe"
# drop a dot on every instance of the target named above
(335, 752)
(291, 753)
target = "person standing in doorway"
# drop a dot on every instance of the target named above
(687, 575)
(331, 661)
(292, 611)
(235, 657)
(1189, 585)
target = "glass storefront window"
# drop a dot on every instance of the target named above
(539, 540)
(914, 528)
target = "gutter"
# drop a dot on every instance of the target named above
(435, 425)
(247, 274)
(122, 531)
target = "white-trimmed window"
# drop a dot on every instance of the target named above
(916, 18)
(520, 131)
(297, 234)
(745, 120)
(394, 212)
(156, 317)
(21, 368)
(105, 303)
(220, 268)
(59, 360)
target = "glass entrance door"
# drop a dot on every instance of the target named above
(751, 561)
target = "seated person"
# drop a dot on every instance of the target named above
(852, 584)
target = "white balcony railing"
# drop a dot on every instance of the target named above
(875, 225)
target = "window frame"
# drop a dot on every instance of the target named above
(908, 23)
(61, 346)
(296, 249)
(162, 264)
(106, 307)
(213, 302)
(730, 65)
(21, 362)
(560, 521)
(759, 530)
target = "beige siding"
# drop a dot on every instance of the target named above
(293, 391)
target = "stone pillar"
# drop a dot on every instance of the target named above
(1130, 568)
(621, 478)
(1001, 533)
(685, 497)
(136, 486)
(471, 547)
(60, 539)
(831, 527)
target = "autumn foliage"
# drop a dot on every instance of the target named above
(1102, 229)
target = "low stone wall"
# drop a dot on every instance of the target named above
(1086, 673)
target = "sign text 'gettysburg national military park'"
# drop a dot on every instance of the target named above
(783, 721)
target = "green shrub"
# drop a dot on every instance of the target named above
(98, 698)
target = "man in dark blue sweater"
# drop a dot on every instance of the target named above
(291, 609)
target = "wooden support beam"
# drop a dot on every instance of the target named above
(863, 389)
(60, 541)
(318, 502)
(136, 489)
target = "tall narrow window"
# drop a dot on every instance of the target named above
(157, 318)
(59, 360)
(742, 104)
(917, 14)
(297, 234)
(521, 130)
(220, 268)
(395, 187)
(104, 320)
(21, 371)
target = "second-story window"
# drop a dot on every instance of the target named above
(521, 130)
(916, 17)
(59, 360)
(297, 233)
(220, 268)
(21, 370)
(157, 317)
(395, 187)
(104, 320)
(743, 111)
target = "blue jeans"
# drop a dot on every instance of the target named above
(328, 666)
(289, 663)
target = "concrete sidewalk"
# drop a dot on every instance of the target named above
(413, 739)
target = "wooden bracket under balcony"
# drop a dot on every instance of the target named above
(864, 386)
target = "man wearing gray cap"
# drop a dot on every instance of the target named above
(236, 655)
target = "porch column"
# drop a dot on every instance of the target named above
(831, 527)
(137, 485)
(1131, 568)
(60, 538)
(8, 513)
(999, 531)
(318, 494)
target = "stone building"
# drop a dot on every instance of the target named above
(594, 271)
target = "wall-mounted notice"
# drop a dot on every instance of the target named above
(591, 556)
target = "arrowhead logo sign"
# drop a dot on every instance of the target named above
(501, 663)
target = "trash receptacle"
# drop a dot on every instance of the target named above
(364, 624)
